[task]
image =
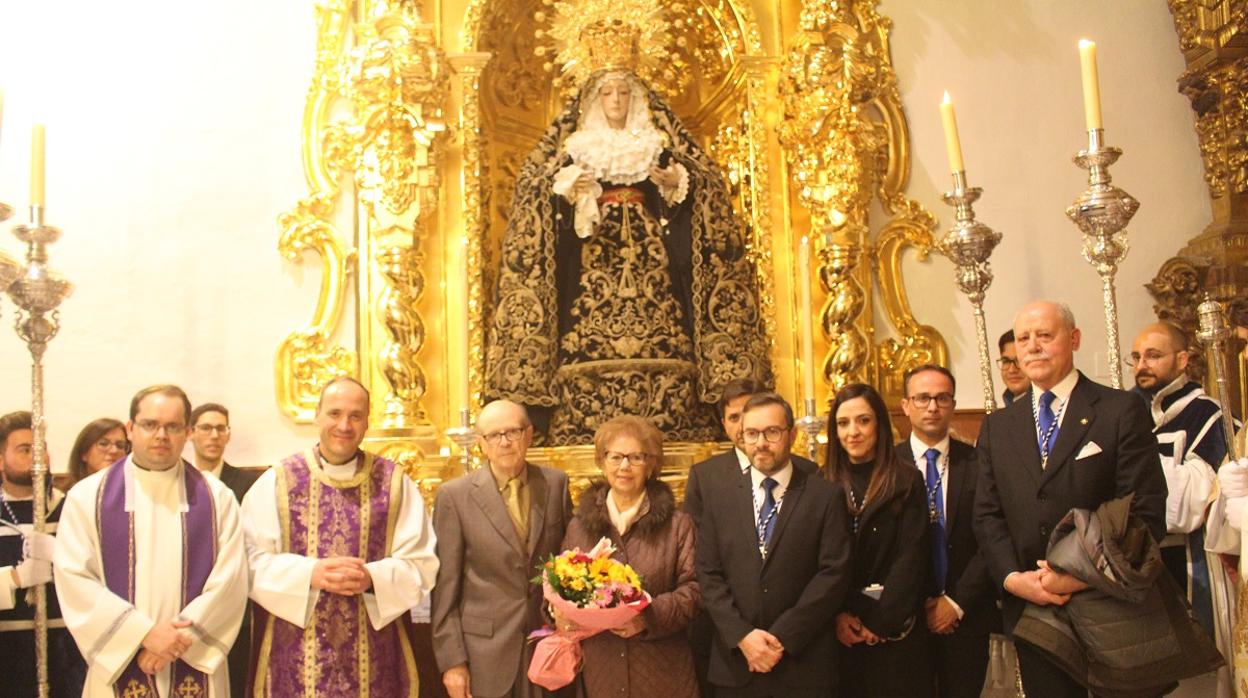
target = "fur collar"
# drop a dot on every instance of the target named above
(661, 507)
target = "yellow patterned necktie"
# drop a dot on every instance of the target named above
(515, 508)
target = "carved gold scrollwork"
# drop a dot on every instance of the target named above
(849, 345)
(308, 358)
(401, 266)
(918, 343)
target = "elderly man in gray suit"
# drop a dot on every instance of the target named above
(494, 526)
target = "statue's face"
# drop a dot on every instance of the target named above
(615, 95)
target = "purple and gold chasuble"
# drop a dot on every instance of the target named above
(199, 555)
(338, 653)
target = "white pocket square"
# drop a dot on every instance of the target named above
(1089, 449)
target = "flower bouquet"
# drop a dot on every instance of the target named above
(593, 592)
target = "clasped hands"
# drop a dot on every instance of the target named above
(942, 617)
(345, 576)
(163, 644)
(633, 627)
(667, 178)
(762, 650)
(1044, 586)
(850, 631)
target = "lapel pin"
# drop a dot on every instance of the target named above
(1084, 420)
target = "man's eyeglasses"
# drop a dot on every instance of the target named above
(207, 429)
(772, 435)
(615, 459)
(511, 435)
(151, 426)
(1006, 362)
(922, 400)
(1149, 357)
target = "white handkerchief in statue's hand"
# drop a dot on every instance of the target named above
(1089, 449)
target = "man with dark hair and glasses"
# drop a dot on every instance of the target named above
(1016, 382)
(210, 433)
(494, 525)
(962, 599)
(772, 594)
(149, 564)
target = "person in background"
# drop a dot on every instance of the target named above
(100, 444)
(1016, 382)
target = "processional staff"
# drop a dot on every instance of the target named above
(1213, 333)
(37, 291)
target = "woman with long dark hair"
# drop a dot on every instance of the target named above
(882, 622)
(100, 444)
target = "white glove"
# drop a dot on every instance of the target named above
(31, 572)
(1233, 479)
(40, 546)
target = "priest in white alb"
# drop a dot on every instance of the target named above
(341, 549)
(150, 566)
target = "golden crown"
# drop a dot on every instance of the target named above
(593, 35)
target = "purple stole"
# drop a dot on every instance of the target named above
(199, 555)
(338, 653)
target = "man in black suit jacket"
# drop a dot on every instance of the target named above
(962, 602)
(1071, 444)
(210, 433)
(773, 565)
(730, 464)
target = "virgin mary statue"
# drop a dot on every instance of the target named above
(625, 286)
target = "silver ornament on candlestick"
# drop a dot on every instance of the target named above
(1102, 213)
(465, 435)
(969, 244)
(38, 292)
(812, 425)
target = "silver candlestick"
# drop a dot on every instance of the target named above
(969, 244)
(37, 292)
(811, 424)
(465, 435)
(1102, 213)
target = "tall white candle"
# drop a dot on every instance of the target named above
(1091, 84)
(806, 319)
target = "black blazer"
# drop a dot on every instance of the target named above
(1018, 502)
(892, 550)
(966, 581)
(723, 465)
(793, 594)
(238, 479)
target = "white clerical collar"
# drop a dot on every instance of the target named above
(133, 471)
(215, 472)
(743, 460)
(1061, 391)
(343, 471)
(918, 448)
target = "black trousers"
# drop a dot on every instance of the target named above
(960, 664)
(1044, 678)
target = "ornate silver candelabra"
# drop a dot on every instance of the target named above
(969, 244)
(1213, 333)
(811, 424)
(465, 435)
(37, 292)
(1102, 213)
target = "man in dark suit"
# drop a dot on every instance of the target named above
(494, 526)
(962, 605)
(1071, 443)
(773, 565)
(730, 464)
(210, 433)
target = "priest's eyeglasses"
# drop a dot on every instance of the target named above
(773, 435)
(922, 400)
(511, 435)
(207, 429)
(615, 459)
(151, 426)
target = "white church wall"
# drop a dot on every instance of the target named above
(1012, 69)
(173, 145)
